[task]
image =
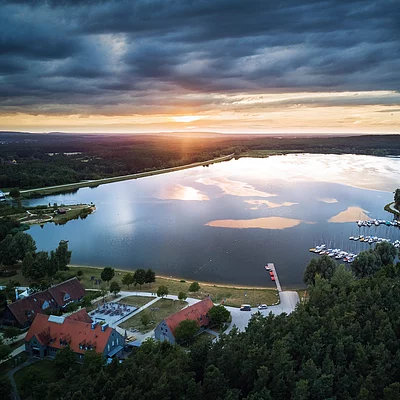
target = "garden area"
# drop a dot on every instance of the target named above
(153, 315)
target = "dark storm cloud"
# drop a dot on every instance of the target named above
(109, 52)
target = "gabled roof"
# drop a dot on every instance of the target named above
(193, 312)
(72, 287)
(80, 315)
(25, 310)
(69, 331)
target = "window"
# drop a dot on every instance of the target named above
(66, 296)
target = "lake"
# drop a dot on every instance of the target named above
(224, 222)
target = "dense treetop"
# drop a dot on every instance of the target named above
(344, 343)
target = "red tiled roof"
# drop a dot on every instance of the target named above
(193, 312)
(72, 287)
(73, 332)
(80, 315)
(25, 309)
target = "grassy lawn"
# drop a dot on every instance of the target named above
(137, 301)
(234, 296)
(46, 367)
(165, 307)
(11, 363)
(18, 277)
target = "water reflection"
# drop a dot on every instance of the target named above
(327, 200)
(269, 204)
(351, 214)
(261, 223)
(234, 188)
(180, 192)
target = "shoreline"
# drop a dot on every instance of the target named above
(45, 191)
(202, 283)
(390, 208)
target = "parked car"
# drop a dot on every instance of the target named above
(245, 307)
(262, 307)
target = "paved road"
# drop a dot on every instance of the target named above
(240, 319)
(393, 208)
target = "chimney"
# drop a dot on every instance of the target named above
(104, 327)
(94, 324)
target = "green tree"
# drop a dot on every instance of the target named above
(33, 384)
(366, 264)
(139, 277)
(4, 351)
(7, 255)
(144, 318)
(128, 279)
(115, 287)
(92, 362)
(323, 266)
(182, 296)
(11, 332)
(185, 331)
(65, 357)
(39, 268)
(397, 199)
(107, 274)
(22, 244)
(15, 193)
(150, 276)
(218, 315)
(162, 291)
(392, 392)
(215, 383)
(86, 301)
(194, 287)
(5, 387)
(387, 252)
(63, 255)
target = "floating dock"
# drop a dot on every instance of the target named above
(271, 267)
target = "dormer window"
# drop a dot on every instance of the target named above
(66, 296)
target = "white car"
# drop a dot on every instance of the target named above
(262, 307)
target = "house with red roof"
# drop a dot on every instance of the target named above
(22, 312)
(165, 331)
(48, 334)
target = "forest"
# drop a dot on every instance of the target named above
(39, 160)
(343, 343)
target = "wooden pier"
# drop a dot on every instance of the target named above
(271, 266)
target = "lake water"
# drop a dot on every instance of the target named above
(224, 222)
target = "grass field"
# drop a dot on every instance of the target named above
(161, 309)
(137, 301)
(45, 367)
(231, 296)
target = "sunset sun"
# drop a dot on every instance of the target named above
(186, 118)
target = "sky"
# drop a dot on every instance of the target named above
(228, 66)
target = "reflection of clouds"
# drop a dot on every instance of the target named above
(367, 172)
(328, 200)
(234, 188)
(261, 223)
(180, 192)
(352, 214)
(270, 204)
